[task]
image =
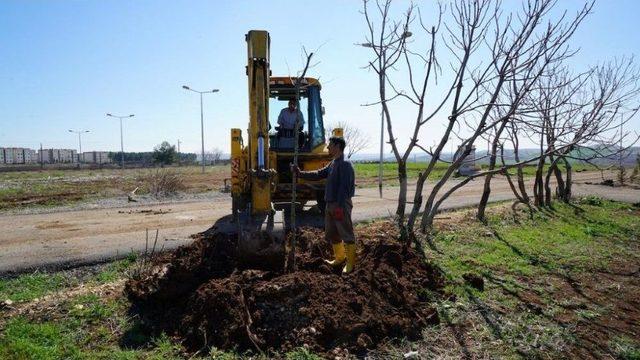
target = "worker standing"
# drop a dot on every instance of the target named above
(339, 190)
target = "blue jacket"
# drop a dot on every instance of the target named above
(340, 177)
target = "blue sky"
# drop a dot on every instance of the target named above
(64, 64)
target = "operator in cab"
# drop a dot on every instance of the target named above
(339, 189)
(288, 116)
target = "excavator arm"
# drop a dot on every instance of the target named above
(259, 227)
(258, 76)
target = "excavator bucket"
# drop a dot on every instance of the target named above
(261, 239)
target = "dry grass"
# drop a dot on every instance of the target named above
(62, 187)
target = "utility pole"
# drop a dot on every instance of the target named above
(621, 122)
(121, 142)
(201, 116)
(41, 159)
(178, 152)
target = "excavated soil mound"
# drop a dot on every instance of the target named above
(200, 294)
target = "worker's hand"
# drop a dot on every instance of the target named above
(295, 169)
(338, 213)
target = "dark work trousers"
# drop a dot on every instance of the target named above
(338, 230)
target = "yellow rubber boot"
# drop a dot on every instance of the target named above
(350, 250)
(338, 255)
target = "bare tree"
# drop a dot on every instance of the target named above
(510, 127)
(493, 54)
(213, 156)
(356, 139)
(589, 117)
(388, 42)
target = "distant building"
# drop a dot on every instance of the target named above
(15, 155)
(48, 156)
(67, 156)
(54, 156)
(9, 156)
(30, 156)
(95, 157)
(102, 157)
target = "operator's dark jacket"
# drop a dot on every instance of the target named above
(340, 186)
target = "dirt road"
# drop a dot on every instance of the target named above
(73, 237)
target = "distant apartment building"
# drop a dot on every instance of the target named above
(54, 156)
(95, 157)
(18, 156)
(8, 156)
(48, 156)
(13, 155)
(30, 156)
(67, 155)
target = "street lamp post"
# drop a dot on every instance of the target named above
(201, 117)
(121, 141)
(79, 132)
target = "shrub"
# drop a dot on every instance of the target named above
(164, 182)
(591, 200)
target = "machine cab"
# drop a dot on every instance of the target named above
(311, 136)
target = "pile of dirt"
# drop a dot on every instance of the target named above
(201, 294)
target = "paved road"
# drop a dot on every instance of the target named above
(74, 237)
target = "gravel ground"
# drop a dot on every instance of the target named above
(118, 202)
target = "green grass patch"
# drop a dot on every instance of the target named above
(89, 327)
(568, 238)
(22, 339)
(369, 171)
(390, 170)
(626, 348)
(302, 354)
(518, 257)
(30, 286)
(116, 270)
(27, 287)
(91, 308)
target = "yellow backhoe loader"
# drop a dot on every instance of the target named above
(261, 179)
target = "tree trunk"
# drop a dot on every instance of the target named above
(567, 187)
(482, 206)
(538, 190)
(521, 185)
(417, 202)
(547, 186)
(427, 218)
(559, 180)
(520, 176)
(429, 213)
(402, 196)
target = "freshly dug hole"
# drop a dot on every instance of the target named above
(202, 295)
